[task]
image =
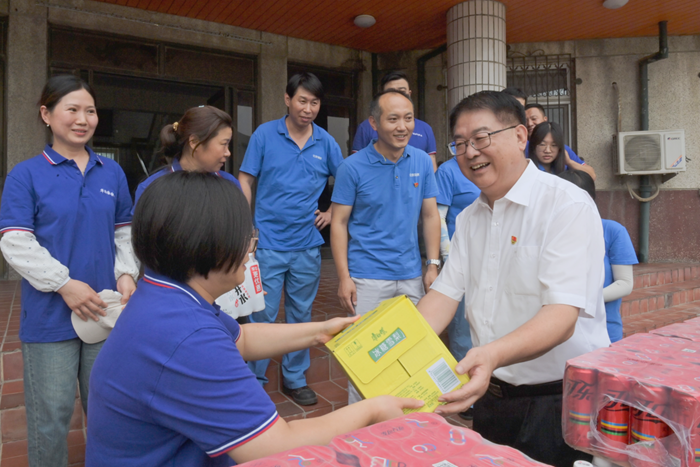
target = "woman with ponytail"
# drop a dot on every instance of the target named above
(198, 142)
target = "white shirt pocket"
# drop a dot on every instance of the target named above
(523, 277)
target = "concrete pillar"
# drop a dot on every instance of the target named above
(476, 48)
(272, 78)
(27, 52)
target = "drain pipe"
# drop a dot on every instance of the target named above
(421, 77)
(644, 181)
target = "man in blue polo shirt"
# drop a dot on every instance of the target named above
(379, 193)
(422, 136)
(291, 158)
(535, 115)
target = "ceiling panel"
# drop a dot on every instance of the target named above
(421, 24)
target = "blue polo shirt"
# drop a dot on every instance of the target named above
(74, 217)
(456, 191)
(386, 200)
(618, 250)
(290, 181)
(169, 386)
(174, 167)
(422, 138)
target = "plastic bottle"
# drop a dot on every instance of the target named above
(247, 297)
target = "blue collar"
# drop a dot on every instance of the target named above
(375, 158)
(176, 167)
(55, 158)
(283, 130)
(158, 280)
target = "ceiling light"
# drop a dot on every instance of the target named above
(614, 4)
(365, 21)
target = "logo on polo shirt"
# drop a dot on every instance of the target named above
(414, 174)
(107, 192)
(318, 157)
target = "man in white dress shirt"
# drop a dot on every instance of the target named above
(528, 257)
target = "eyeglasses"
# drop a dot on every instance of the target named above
(479, 141)
(253, 247)
(544, 146)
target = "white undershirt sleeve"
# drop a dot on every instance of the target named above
(125, 261)
(623, 282)
(444, 234)
(33, 262)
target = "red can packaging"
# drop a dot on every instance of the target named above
(685, 405)
(579, 397)
(614, 418)
(646, 426)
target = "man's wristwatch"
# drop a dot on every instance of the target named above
(436, 262)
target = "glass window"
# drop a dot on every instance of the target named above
(132, 113)
(91, 50)
(245, 118)
(206, 66)
(142, 86)
(548, 80)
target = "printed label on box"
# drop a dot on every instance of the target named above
(387, 344)
(443, 376)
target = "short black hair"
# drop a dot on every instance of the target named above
(539, 133)
(515, 92)
(189, 223)
(581, 179)
(536, 106)
(507, 110)
(306, 80)
(375, 110)
(393, 76)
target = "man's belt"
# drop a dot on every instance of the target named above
(506, 390)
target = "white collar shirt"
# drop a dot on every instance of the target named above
(541, 244)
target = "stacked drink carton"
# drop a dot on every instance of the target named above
(638, 402)
(417, 439)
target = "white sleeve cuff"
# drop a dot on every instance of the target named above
(577, 301)
(447, 290)
(125, 261)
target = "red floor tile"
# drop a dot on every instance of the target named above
(14, 424)
(14, 449)
(20, 461)
(12, 366)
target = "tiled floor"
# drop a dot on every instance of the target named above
(664, 293)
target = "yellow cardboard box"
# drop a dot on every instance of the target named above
(393, 350)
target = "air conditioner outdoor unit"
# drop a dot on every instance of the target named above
(649, 152)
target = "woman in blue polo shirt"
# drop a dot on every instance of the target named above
(65, 220)
(546, 148)
(198, 142)
(170, 386)
(619, 259)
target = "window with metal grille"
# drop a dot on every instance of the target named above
(548, 80)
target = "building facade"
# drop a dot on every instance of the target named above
(148, 67)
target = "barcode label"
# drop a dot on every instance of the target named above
(444, 464)
(443, 376)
